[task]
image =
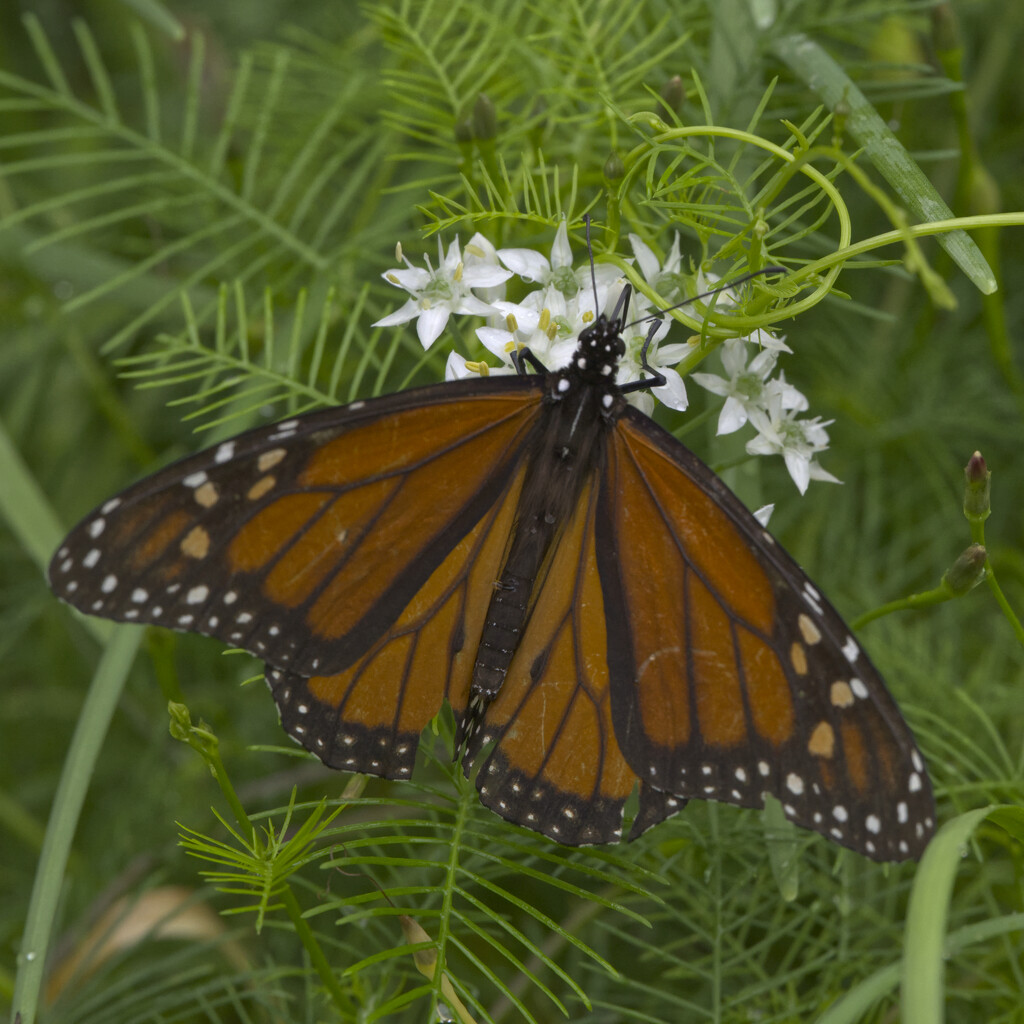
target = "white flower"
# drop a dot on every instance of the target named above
(558, 273)
(797, 441)
(665, 279)
(436, 294)
(746, 387)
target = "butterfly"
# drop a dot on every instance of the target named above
(602, 614)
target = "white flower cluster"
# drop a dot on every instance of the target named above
(549, 319)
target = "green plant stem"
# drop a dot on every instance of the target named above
(925, 599)
(312, 948)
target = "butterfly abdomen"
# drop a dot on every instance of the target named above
(570, 450)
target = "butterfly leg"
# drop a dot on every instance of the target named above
(523, 356)
(656, 379)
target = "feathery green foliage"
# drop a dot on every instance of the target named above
(193, 224)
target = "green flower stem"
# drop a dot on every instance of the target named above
(1004, 604)
(206, 745)
(943, 592)
(313, 949)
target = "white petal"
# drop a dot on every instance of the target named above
(495, 340)
(649, 265)
(817, 473)
(454, 257)
(471, 304)
(480, 248)
(764, 362)
(734, 356)
(559, 353)
(455, 368)
(561, 254)
(769, 341)
(799, 467)
(641, 400)
(764, 513)
(713, 383)
(400, 316)
(527, 263)
(412, 279)
(732, 417)
(482, 275)
(526, 316)
(792, 399)
(669, 355)
(431, 323)
(673, 393)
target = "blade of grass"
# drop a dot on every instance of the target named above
(822, 74)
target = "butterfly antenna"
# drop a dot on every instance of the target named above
(590, 254)
(708, 294)
(622, 305)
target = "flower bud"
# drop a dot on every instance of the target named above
(967, 571)
(672, 94)
(614, 169)
(485, 118)
(977, 488)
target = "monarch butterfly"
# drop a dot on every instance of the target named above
(602, 614)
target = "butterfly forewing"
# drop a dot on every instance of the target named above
(304, 541)
(732, 677)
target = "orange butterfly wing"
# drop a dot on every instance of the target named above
(369, 717)
(304, 542)
(731, 676)
(556, 766)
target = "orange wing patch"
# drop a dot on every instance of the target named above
(556, 766)
(369, 717)
(731, 677)
(304, 541)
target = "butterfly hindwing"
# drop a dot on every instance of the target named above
(555, 765)
(731, 676)
(302, 542)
